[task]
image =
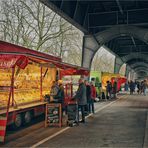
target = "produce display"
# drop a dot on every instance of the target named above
(5, 82)
(27, 84)
(48, 76)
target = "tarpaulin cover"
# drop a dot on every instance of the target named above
(9, 61)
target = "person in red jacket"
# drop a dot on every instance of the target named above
(93, 96)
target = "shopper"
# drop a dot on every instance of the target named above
(138, 87)
(114, 89)
(108, 90)
(132, 87)
(93, 96)
(126, 86)
(144, 87)
(88, 96)
(81, 98)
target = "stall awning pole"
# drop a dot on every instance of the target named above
(41, 85)
(10, 93)
(13, 71)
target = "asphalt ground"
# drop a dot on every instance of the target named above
(116, 123)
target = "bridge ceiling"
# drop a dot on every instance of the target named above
(137, 61)
(141, 69)
(96, 16)
(126, 45)
(132, 51)
(140, 66)
(92, 16)
(142, 74)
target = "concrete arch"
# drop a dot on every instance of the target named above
(134, 55)
(91, 43)
(127, 71)
(138, 64)
(122, 30)
(140, 69)
(142, 73)
(141, 66)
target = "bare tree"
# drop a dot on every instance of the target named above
(33, 25)
(101, 64)
(122, 69)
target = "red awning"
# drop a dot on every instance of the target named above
(73, 71)
(8, 48)
(9, 61)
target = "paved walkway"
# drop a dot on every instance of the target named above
(121, 123)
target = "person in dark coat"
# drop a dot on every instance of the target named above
(132, 87)
(88, 95)
(115, 89)
(60, 96)
(144, 87)
(93, 96)
(138, 87)
(108, 90)
(81, 98)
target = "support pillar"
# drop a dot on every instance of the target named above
(127, 71)
(90, 47)
(117, 65)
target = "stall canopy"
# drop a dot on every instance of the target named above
(11, 55)
(74, 71)
(8, 48)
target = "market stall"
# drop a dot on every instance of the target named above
(112, 77)
(25, 77)
(70, 77)
(120, 80)
(96, 77)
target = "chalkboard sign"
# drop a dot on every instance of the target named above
(53, 115)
